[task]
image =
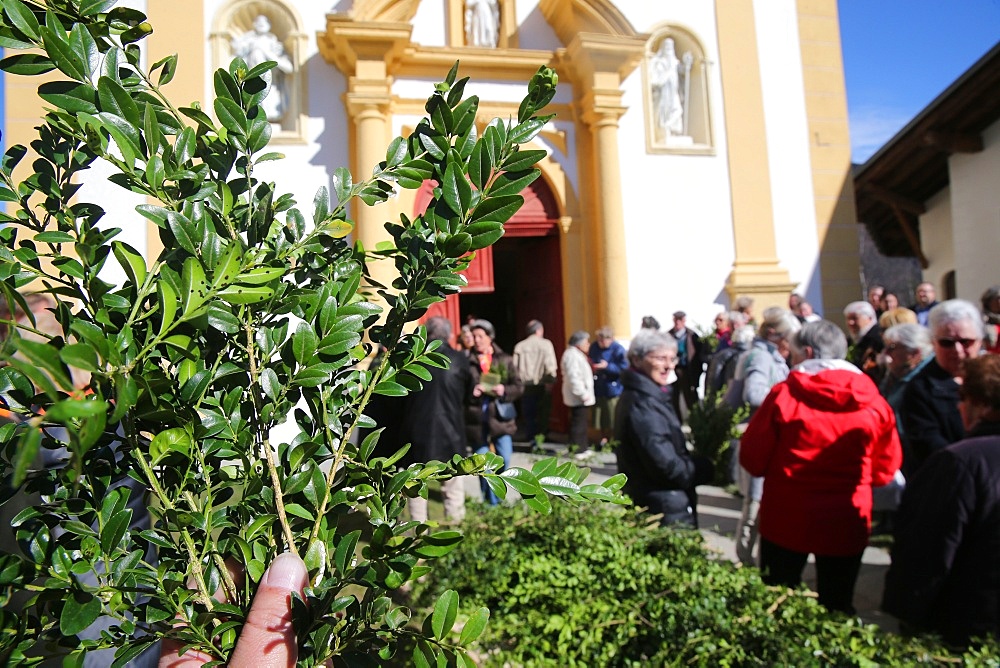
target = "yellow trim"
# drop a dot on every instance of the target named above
(756, 271)
(830, 153)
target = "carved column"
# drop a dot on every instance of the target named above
(600, 63)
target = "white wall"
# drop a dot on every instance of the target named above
(937, 240)
(788, 145)
(975, 212)
(678, 211)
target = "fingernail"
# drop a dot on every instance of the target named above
(286, 572)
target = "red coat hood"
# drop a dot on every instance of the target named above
(835, 388)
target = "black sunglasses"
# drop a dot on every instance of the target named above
(950, 343)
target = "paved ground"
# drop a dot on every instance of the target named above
(718, 515)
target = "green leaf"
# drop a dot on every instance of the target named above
(304, 342)
(522, 160)
(167, 299)
(115, 529)
(81, 356)
(484, 233)
(222, 319)
(27, 64)
(315, 558)
(526, 131)
(46, 358)
(298, 511)
(22, 18)
(69, 63)
(169, 68)
(131, 261)
(480, 165)
(170, 441)
(69, 95)
(115, 100)
(475, 626)
(54, 237)
(499, 209)
(246, 294)
(80, 610)
(270, 384)
(344, 553)
(91, 7)
(231, 115)
(184, 231)
(512, 183)
(261, 275)
(444, 615)
(27, 449)
(524, 482)
(456, 191)
(558, 486)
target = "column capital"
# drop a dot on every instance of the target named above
(363, 48)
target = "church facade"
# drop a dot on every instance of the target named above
(700, 150)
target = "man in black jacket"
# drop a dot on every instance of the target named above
(433, 421)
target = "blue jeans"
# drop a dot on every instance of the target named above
(505, 448)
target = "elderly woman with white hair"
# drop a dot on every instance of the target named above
(930, 404)
(821, 440)
(652, 452)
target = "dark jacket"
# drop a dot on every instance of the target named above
(433, 419)
(513, 389)
(652, 452)
(945, 572)
(864, 354)
(930, 414)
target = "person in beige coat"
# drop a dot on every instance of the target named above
(578, 386)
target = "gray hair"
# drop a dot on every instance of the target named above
(743, 303)
(650, 340)
(532, 327)
(827, 341)
(737, 319)
(860, 308)
(438, 329)
(955, 311)
(910, 336)
(486, 326)
(578, 337)
(778, 322)
(989, 295)
(742, 335)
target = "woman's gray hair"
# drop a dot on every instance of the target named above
(955, 311)
(778, 323)
(988, 296)
(827, 341)
(578, 337)
(910, 336)
(650, 340)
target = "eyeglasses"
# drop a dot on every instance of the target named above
(669, 360)
(950, 343)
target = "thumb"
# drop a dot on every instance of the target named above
(268, 638)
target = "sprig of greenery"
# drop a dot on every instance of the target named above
(253, 316)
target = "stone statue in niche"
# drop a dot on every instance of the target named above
(482, 23)
(259, 46)
(670, 80)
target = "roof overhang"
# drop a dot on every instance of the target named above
(892, 188)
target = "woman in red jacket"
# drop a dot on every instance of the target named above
(821, 439)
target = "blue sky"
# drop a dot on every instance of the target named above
(900, 54)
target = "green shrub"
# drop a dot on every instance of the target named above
(592, 586)
(713, 430)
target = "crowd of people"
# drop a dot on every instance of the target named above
(898, 414)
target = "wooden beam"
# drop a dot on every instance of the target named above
(895, 199)
(953, 142)
(911, 235)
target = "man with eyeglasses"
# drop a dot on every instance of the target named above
(929, 412)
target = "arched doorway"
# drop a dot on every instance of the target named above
(516, 280)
